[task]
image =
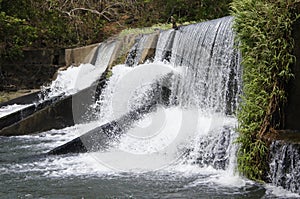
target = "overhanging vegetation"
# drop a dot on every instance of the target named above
(264, 32)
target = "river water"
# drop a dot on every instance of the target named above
(26, 173)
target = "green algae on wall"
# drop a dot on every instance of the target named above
(264, 32)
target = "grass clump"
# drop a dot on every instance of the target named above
(152, 29)
(3, 97)
(146, 30)
(264, 32)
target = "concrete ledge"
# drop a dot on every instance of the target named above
(98, 138)
(24, 99)
(81, 55)
(55, 113)
(55, 116)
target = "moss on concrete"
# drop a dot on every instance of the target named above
(6, 96)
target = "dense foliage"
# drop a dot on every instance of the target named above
(264, 30)
(40, 23)
(65, 23)
(15, 33)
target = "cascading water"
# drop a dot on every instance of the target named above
(137, 55)
(78, 78)
(71, 80)
(204, 129)
(211, 66)
(104, 53)
(67, 84)
(164, 45)
(181, 148)
(210, 83)
(204, 90)
(70, 85)
(285, 165)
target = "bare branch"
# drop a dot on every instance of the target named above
(85, 9)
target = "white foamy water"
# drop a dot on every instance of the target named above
(57, 167)
(68, 82)
(78, 78)
(157, 145)
(164, 137)
(74, 79)
(127, 86)
(6, 110)
(280, 192)
(214, 176)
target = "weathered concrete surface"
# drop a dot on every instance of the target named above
(149, 47)
(55, 113)
(31, 71)
(292, 120)
(22, 97)
(65, 111)
(19, 115)
(143, 49)
(81, 55)
(123, 46)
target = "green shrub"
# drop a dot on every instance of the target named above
(264, 32)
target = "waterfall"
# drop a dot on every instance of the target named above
(285, 165)
(72, 85)
(201, 70)
(164, 45)
(135, 52)
(211, 66)
(210, 82)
